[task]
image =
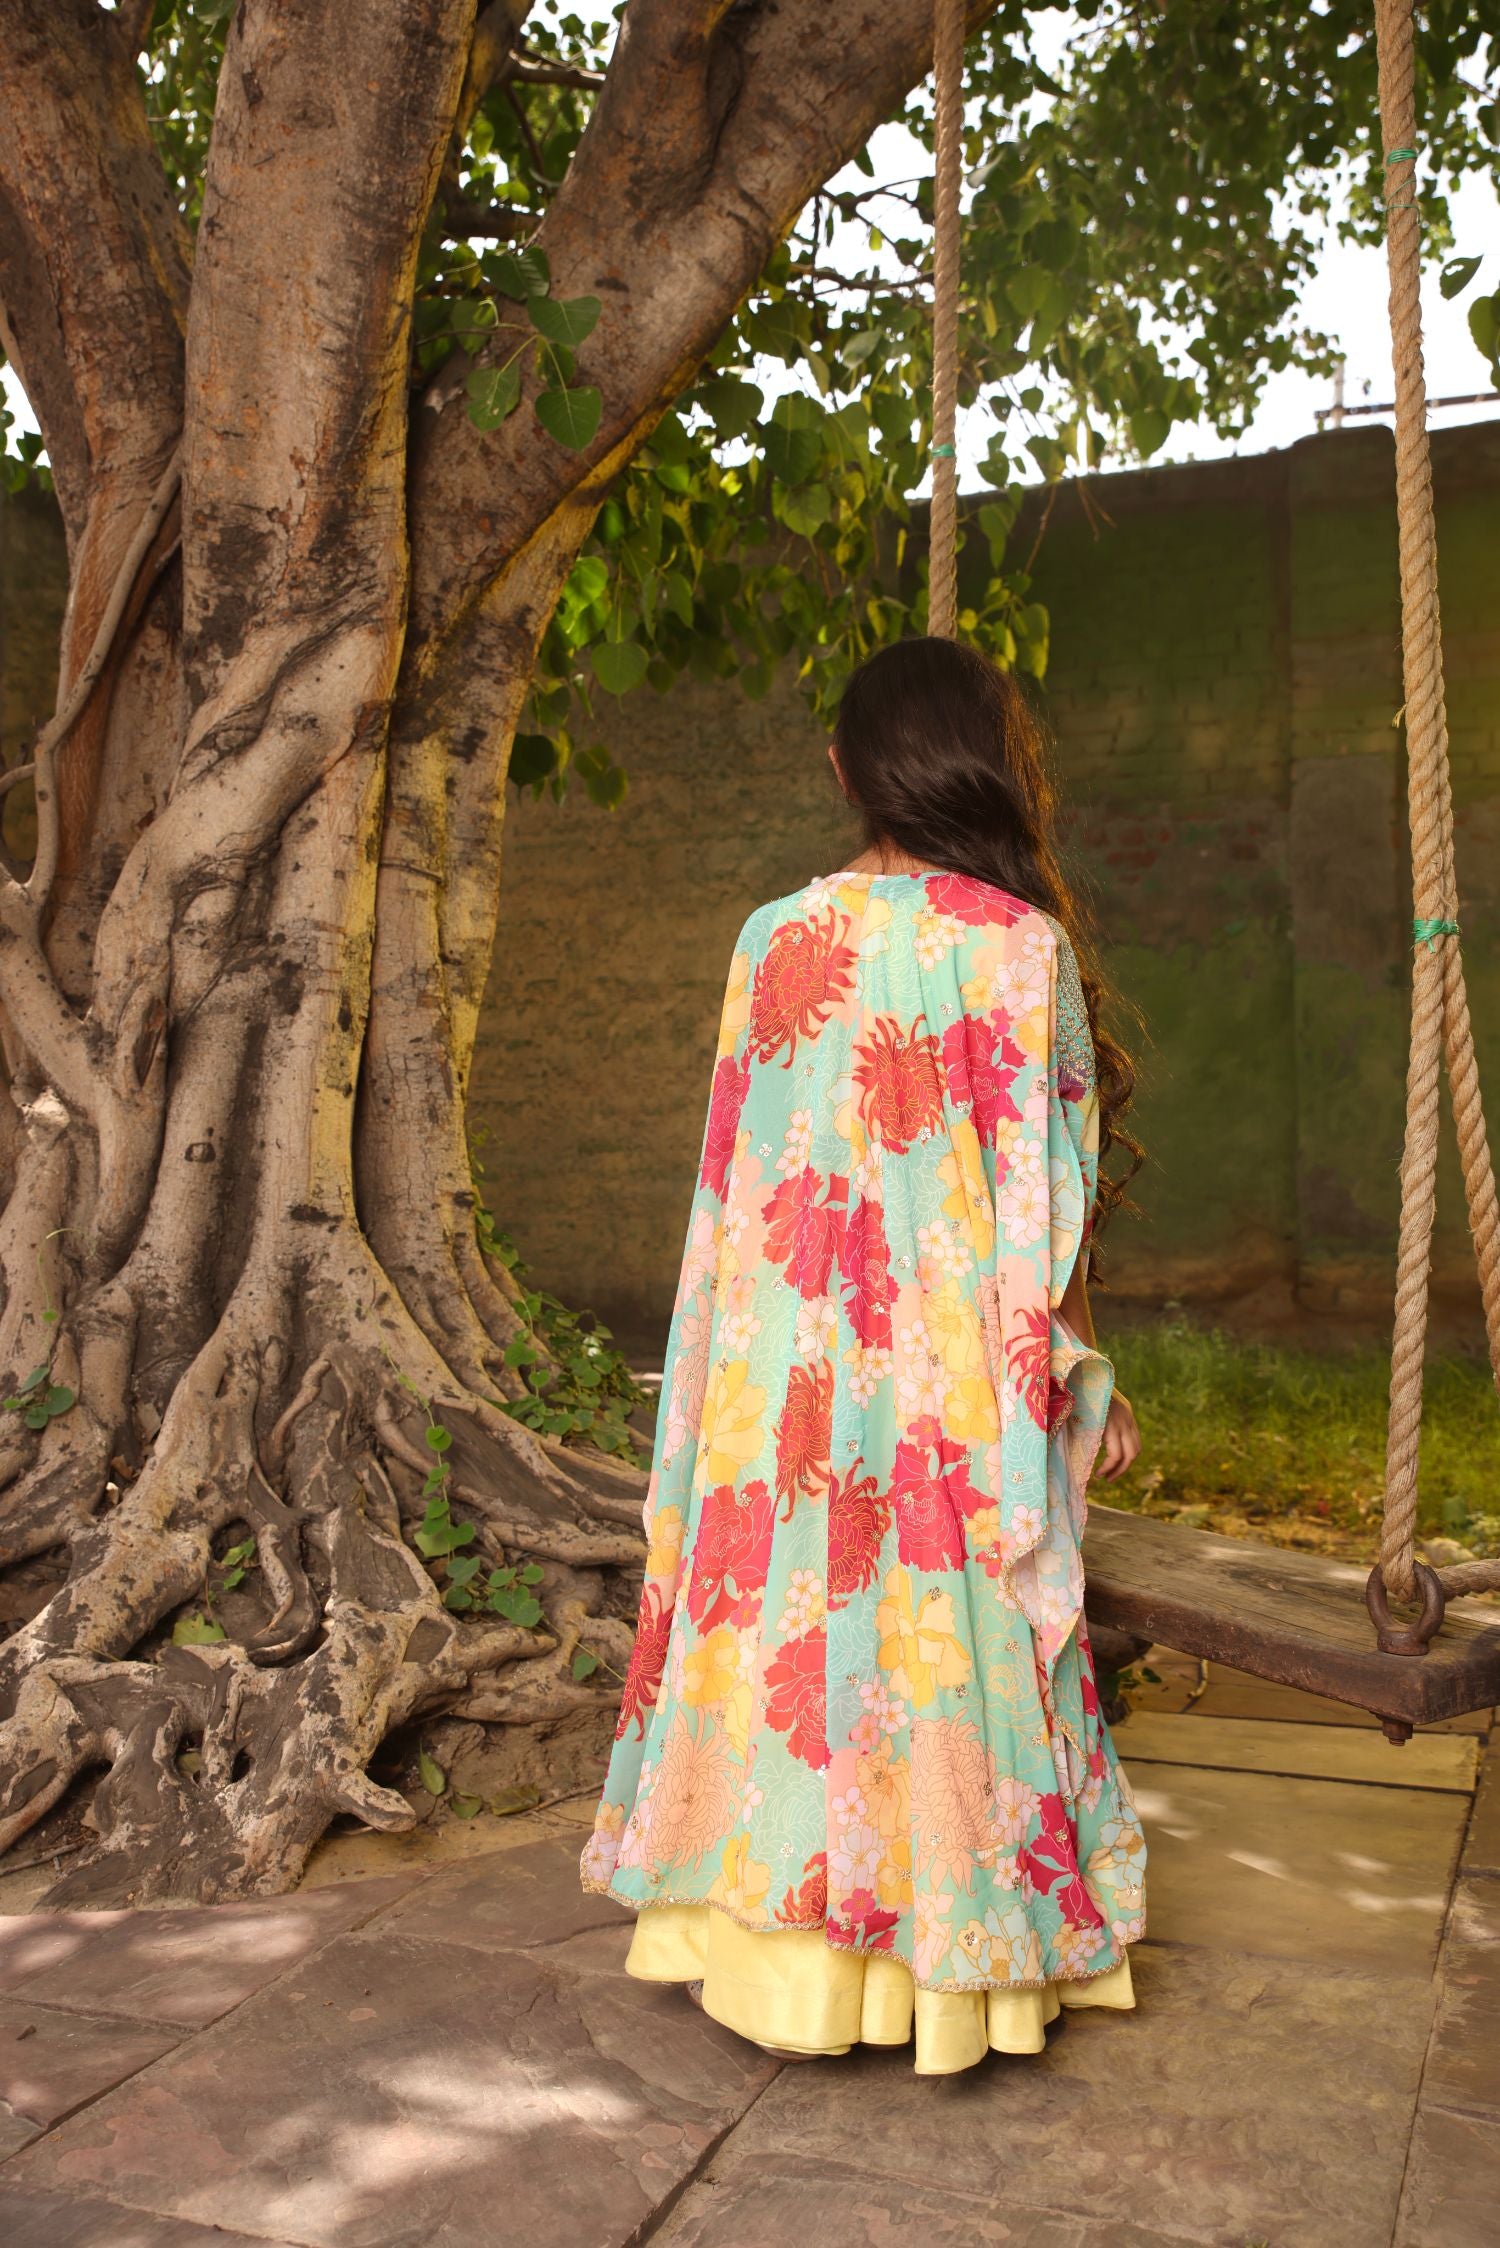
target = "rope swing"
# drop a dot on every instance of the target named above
(948, 109)
(1440, 1028)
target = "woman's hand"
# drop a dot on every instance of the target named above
(1120, 1446)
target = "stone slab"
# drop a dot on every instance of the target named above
(405, 2094)
(515, 1900)
(1482, 1843)
(34, 1943)
(1463, 2062)
(185, 1965)
(1338, 1876)
(1237, 1693)
(1452, 2197)
(780, 2201)
(46, 2220)
(51, 2062)
(1246, 2100)
(1448, 1761)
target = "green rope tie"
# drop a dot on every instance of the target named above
(942, 452)
(1427, 929)
(1394, 156)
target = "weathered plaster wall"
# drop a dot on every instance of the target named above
(1224, 683)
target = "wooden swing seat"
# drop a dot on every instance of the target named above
(1297, 1618)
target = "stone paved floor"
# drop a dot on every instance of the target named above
(451, 2054)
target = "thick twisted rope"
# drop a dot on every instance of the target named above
(1439, 1012)
(942, 554)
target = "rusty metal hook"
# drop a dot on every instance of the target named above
(1395, 1638)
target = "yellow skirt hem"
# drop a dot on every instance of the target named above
(804, 1995)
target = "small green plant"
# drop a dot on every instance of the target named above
(579, 1387)
(197, 1631)
(39, 1399)
(235, 1563)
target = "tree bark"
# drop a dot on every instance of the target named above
(241, 987)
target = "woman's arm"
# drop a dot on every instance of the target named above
(1120, 1445)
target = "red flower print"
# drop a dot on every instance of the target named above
(804, 1434)
(865, 1261)
(731, 1083)
(797, 1698)
(803, 1235)
(807, 1907)
(731, 1552)
(932, 1502)
(1050, 1864)
(974, 903)
(865, 1924)
(900, 1085)
(980, 1060)
(1059, 1403)
(648, 1659)
(806, 972)
(859, 1515)
(1030, 1354)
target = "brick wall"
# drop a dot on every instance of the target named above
(1224, 680)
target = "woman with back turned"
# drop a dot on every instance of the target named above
(861, 1785)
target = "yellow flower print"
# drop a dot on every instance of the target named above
(710, 1669)
(742, 1882)
(983, 1529)
(893, 1876)
(736, 1004)
(968, 1200)
(953, 1326)
(920, 1652)
(664, 1552)
(885, 1783)
(729, 1437)
(970, 1412)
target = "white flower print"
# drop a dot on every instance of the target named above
(817, 1327)
(797, 1153)
(868, 1368)
(805, 1604)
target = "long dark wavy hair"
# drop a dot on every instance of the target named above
(944, 758)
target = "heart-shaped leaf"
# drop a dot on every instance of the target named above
(432, 1775)
(566, 321)
(493, 392)
(570, 416)
(585, 1662)
(1457, 275)
(197, 1631)
(520, 274)
(618, 665)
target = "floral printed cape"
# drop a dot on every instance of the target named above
(861, 1697)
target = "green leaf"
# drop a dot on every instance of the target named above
(197, 1631)
(585, 1662)
(463, 1567)
(1484, 325)
(570, 416)
(36, 1415)
(618, 665)
(510, 1800)
(432, 1775)
(33, 1381)
(58, 1400)
(514, 1604)
(529, 1574)
(566, 321)
(438, 1437)
(459, 1598)
(465, 1806)
(1149, 430)
(791, 454)
(1457, 275)
(589, 578)
(520, 274)
(533, 758)
(494, 392)
(734, 407)
(806, 511)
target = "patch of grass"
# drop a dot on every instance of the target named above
(1268, 1430)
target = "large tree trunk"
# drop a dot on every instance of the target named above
(241, 985)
